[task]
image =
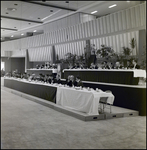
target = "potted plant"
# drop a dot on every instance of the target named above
(105, 53)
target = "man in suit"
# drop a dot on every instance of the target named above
(135, 65)
(78, 82)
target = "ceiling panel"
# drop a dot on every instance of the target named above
(36, 12)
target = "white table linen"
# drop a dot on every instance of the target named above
(81, 100)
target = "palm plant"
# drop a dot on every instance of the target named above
(133, 43)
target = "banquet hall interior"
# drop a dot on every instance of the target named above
(73, 74)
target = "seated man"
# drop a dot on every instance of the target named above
(57, 79)
(117, 65)
(92, 66)
(50, 79)
(109, 66)
(70, 80)
(104, 64)
(78, 82)
(134, 64)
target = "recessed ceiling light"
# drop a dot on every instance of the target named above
(15, 4)
(34, 30)
(112, 6)
(22, 34)
(128, 1)
(11, 9)
(66, 1)
(7, 13)
(94, 12)
(12, 35)
(51, 10)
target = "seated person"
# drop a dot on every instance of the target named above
(96, 66)
(46, 78)
(57, 79)
(70, 66)
(134, 64)
(24, 75)
(99, 65)
(70, 80)
(85, 66)
(117, 65)
(78, 82)
(41, 77)
(37, 66)
(92, 66)
(75, 66)
(128, 65)
(81, 66)
(109, 65)
(104, 64)
(50, 79)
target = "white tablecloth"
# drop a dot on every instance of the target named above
(81, 100)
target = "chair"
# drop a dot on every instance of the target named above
(103, 102)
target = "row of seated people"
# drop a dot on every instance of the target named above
(46, 66)
(70, 81)
(108, 65)
(48, 78)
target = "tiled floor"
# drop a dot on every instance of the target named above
(29, 125)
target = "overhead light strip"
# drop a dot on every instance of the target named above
(112, 6)
(51, 15)
(94, 12)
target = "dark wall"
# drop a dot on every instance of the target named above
(14, 63)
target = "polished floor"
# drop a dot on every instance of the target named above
(28, 125)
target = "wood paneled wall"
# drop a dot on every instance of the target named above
(127, 21)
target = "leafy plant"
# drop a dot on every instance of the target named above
(133, 43)
(70, 58)
(105, 52)
(126, 51)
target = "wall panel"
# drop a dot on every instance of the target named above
(40, 54)
(117, 41)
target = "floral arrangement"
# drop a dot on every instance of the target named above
(105, 52)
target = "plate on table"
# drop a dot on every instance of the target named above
(77, 88)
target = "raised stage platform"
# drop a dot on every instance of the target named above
(117, 112)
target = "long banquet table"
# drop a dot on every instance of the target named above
(79, 100)
(118, 76)
(38, 89)
(82, 100)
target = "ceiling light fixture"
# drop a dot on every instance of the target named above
(51, 15)
(128, 1)
(22, 34)
(34, 30)
(112, 6)
(12, 35)
(94, 12)
(11, 9)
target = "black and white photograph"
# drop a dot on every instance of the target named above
(73, 74)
